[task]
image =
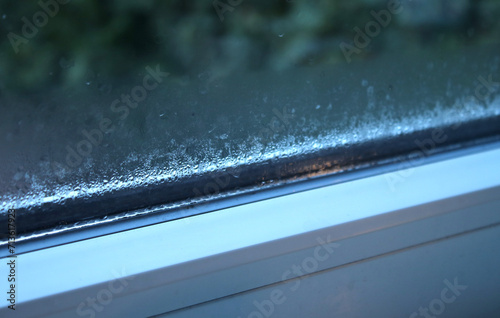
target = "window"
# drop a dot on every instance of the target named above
(139, 110)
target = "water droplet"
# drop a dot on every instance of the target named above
(4, 16)
(88, 83)
(281, 35)
(364, 83)
(318, 106)
(371, 97)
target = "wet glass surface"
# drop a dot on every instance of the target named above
(110, 107)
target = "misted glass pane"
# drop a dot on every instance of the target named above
(110, 107)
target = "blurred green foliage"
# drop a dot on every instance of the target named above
(116, 38)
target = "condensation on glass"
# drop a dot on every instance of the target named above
(110, 107)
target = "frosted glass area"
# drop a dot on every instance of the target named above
(115, 123)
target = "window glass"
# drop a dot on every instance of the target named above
(112, 106)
